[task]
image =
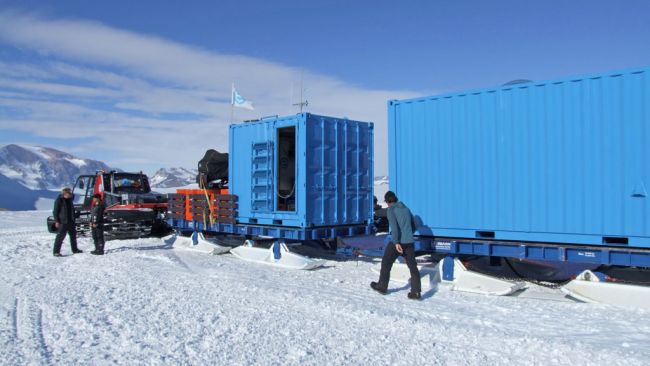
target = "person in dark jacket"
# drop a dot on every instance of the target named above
(63, 213)
(97, 224)
(402, 226)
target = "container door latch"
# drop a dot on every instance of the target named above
(639, 191)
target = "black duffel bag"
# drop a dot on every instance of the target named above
(213, 169)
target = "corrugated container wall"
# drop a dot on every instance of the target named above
(557, 161)
(302, 171)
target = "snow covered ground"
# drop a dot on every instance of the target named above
(45, 204)
(144, 303)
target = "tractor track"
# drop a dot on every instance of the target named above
(29, 338)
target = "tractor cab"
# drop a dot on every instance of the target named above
(114, 187)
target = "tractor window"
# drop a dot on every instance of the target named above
(130, 183)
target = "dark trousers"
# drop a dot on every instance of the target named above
(390, 255)
(98, 238)
(71, 231)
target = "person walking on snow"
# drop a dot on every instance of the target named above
(63, 213)
(402, 226)
(97, 224)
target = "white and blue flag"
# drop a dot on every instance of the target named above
(239, 101)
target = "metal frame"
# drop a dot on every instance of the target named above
(276, 232)
(617, 256)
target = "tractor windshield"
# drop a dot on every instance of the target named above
(129, 183)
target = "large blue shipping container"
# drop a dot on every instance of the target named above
(561, 161)
(302, 171)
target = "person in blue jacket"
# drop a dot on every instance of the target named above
(402, 227)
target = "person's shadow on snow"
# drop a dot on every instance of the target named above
(139, 248)
(425, 295)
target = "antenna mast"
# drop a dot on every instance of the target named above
(302, 103)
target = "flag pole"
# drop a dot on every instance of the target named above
(232, 103)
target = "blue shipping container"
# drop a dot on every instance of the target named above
(302, 171)
(562, 161)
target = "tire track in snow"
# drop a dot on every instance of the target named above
(175, 259)
(14, 320)
(10, 350)
(40, 338)
(19, 320)
(29, 332)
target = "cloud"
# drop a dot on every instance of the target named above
(56, 88)
(151, 100)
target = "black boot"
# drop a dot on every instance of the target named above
(99, 249)
(377, 287)
(414, 296)
(77, 251)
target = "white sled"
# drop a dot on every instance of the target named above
(286, 258)
(196, 242)
(464, 279)
(588, 287)
(468, 281)
(169, 239)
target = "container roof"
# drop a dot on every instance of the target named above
(638, 70)
(303, 115)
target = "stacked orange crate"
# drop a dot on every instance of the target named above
(224, 208)
(196, 201)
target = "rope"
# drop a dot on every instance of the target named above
(207, 198)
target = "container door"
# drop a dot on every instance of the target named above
(262, 191)
(339, 172)
(286, 169)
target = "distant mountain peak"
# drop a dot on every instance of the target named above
(173, 177)
(381, 180)
(41, 167)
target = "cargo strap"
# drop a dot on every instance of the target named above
(207, 198)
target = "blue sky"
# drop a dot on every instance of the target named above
(145, 84)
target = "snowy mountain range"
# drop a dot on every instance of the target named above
(30, 176)
(38, 167)
(173, 177)
(381, 180)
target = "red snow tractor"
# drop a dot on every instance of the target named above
(132, 210)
